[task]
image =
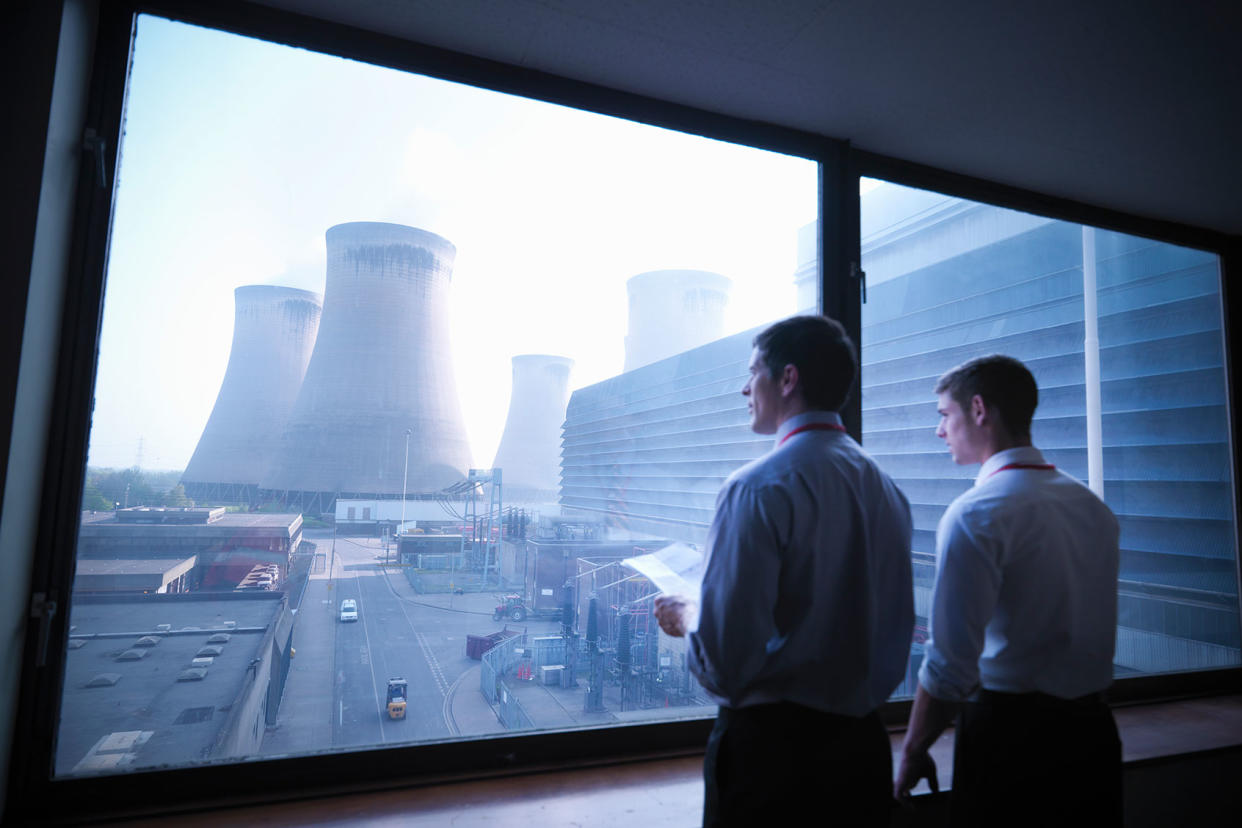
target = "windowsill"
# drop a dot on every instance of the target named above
(668, 792)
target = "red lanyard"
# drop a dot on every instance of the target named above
(812, 427)
(1039, 466)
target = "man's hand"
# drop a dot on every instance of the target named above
(929, 716)
(915, 766)
(673, 613)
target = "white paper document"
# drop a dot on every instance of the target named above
(675, 569)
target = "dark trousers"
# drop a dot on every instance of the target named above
(1033, 759)
(784, 764)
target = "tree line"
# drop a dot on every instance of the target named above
(106, 488)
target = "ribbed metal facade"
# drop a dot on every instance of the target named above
(648, 450)
(530, 447)
(671, 311)
(950, 279)
(274, 332)
(382, 364)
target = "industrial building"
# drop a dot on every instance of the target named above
(273, 333)
(949, 279)
(154, 680)
(379, 387)
(648, 449)
(192, 549)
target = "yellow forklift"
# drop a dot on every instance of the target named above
(396, 698)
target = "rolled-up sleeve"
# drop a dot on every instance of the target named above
(737, 610)
(968, 581)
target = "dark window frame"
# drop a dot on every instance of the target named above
(33, 792)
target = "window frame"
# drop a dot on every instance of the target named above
(34, 792)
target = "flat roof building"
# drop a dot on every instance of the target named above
(153, 680)
(225, 546)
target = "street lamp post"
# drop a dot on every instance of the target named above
(405, 476)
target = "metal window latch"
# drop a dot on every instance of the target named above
(93, 143)
(43, 608)
(861, 275)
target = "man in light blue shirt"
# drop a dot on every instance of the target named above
(807, 604)
(1023, 621)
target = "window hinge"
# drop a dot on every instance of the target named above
(43, 607)
(94, 144)
(861, 275)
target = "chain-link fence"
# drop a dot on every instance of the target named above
(496, 662)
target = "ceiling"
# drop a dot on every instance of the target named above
(1135, 106)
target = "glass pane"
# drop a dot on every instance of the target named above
(950, 279)
(394, 372)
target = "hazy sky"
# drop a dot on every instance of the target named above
(238, 155)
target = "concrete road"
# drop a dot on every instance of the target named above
(400, 634)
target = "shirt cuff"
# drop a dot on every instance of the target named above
(945, 684)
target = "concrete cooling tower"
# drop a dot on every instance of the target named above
(273, 334)
(673, 311)
(530, 448)
(381, 366)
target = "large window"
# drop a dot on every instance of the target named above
(1124, 336)
(393, 374)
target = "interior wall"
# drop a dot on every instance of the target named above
(46, 52)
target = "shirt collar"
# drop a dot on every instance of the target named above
(806, 418)
(1022, 454)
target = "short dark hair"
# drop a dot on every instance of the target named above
(822, 352)
(1003, 382)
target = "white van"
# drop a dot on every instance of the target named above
(349, 610)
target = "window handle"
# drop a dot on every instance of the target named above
(861, 275)
(93, 143)
(43, 608)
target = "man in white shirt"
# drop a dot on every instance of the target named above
(807, 604)
(1023, 620)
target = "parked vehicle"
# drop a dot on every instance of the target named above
(516, 608)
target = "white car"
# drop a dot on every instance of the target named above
(349, 610)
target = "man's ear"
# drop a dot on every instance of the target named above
(978, 411)
(789, 380)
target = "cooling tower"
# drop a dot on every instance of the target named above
(273, 334)
(381, 366)
(673, 311)
(530, 448)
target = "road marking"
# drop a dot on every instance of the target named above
(447, 708)
(436, 672)
(366, 620)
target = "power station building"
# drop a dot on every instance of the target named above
(1123, 335)
(273, 334)
(530, 447)
(948, 280)
(671, 311)
(647, 451)
(381, 375)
